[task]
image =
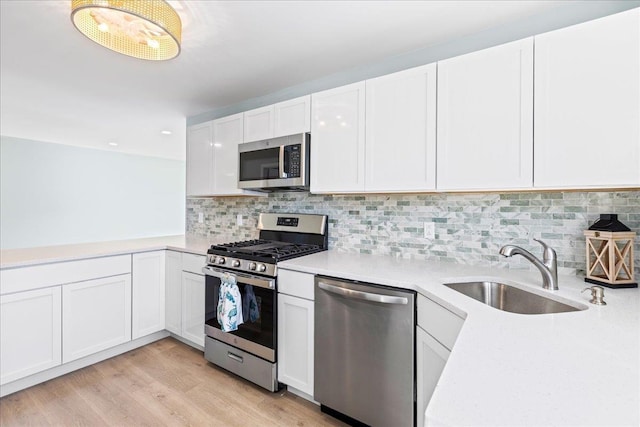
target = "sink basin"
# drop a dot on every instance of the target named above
(509, 298)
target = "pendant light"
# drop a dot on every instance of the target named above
(145, 29)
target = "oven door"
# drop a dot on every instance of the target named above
(257, 335)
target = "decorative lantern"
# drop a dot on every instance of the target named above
(610, 253)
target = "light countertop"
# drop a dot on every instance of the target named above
(12, 258)
(578, 368)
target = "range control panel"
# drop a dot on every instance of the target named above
(287, 221)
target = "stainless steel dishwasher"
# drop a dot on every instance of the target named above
(364, 352)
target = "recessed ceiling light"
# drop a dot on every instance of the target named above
(113, 144)
(166, 132)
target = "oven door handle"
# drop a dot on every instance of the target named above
(260, 282)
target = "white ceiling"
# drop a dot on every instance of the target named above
(58, 86)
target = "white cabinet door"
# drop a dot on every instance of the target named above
(587, 109)
(193, 308)
(431, 357)
(401, 131)
(96, 315)
(173, 292)
(295, 342)
(30, 333)
(200, 178)
(338, 139)
(148, 293)
(485, 119)
(258, 124)
(227, 134)
(292, 116)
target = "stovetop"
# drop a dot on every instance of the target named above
(263, 250)
(282, 236)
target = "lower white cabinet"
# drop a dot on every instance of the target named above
(193, 307)
(148, 311)
(431, 357)
(96, 315)
(295, 342)
(295, 330)
(30, 333)
(173, 292)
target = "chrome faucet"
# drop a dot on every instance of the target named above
(548, 266)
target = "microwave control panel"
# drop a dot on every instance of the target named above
(293, 160)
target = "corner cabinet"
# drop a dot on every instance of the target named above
(148, 293)
(400, 153)
(436, 333)
(338, 138)
(587, 107)
(30, 333)
(173, 292)
(296, 331)
(485, 119)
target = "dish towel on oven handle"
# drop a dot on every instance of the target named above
(229, 314)
(250, 309)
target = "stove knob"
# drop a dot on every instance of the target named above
(236, 263)
(221, 260)
(212, 259)
(262, 268)
(252, 266)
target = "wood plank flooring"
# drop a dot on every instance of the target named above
(163, 383)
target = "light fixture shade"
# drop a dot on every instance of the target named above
(145, 29)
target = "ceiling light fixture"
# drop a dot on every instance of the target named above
(145, 29)
(113, 144)
(166, 132)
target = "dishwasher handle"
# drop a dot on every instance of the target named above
(367, 296)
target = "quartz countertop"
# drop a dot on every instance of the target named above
(578, 368)
(12, 258)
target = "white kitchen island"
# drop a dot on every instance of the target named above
(577, 368)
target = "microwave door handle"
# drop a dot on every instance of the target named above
(281, 172)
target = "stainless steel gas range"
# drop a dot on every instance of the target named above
(251, 350)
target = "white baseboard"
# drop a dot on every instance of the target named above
(49, 374)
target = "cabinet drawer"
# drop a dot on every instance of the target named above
(296, 284)
(40, 276)
(439, 322)
(193, 263)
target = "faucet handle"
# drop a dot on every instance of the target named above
(597, 295)
(548, 253)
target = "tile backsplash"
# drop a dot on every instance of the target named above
(469, 228)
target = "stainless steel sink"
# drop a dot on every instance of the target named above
(509, 298)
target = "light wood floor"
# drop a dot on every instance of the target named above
(164, 383)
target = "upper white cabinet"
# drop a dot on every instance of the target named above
(148, 312)
(337, 139)
(292, 116)
(400, 132)
(30, 333)
(227, 134)
(212, 157)
(96, 315)
(281, 119)
(200, 160)
(587, 109)
(485, 119)
(258, 124)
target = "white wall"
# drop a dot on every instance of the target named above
(53, 194)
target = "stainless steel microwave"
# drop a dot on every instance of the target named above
(275, 164)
